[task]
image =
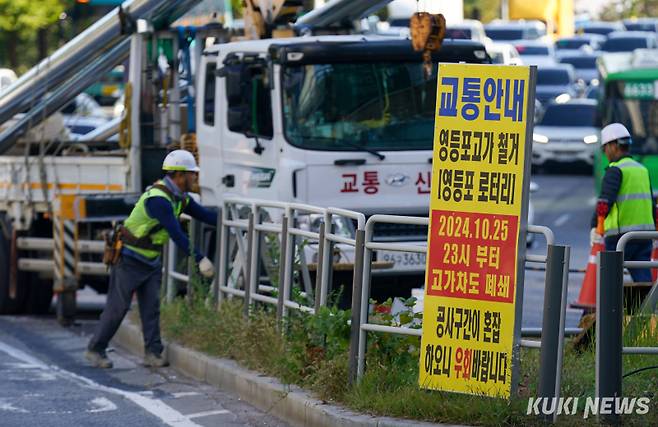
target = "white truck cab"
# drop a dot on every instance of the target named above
(343, 121)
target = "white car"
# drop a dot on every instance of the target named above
(504, 54)
(468, 29)
(508, 31)
(566, 133)
(534, 52)
(83, 115)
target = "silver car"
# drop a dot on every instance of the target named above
(566, 133)
(584, 65)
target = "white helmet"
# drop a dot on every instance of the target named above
(615, 132)
(180, 160)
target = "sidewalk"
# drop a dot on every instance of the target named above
(289, 403)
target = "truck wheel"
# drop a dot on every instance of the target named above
(66, 307)
(9, 305)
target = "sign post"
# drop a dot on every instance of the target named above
(478, 224)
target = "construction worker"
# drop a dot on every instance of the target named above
(153, 220)
(626, 190)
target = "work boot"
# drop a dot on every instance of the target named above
(154, 360)
(98, 359)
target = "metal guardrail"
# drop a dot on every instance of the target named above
(370, 245)
(247, 233)
(610, 312)
(241, 225)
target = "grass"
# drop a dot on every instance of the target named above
(313, 354)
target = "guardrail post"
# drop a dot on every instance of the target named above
(247, 279)
(357, 288)
(223, 256)
(552, 337)
(288, 265)
(218, 256)
(327, 260)
(170, 265)
(609, 317)
(365, 301)
(254, 259)
(283, 248)
(320, 268)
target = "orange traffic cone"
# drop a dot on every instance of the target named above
(587, 296)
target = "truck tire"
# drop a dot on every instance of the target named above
(9, 305)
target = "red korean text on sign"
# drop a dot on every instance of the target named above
(474, 258)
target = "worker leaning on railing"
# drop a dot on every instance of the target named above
(626, 202)
(137, 265)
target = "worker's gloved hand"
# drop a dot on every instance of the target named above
(594, 237)
(206, 268)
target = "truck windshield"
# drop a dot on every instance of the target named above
(378, 106)
(641, 118)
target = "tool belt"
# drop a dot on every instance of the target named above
(112, 250)
(143, 242)
(115, 239)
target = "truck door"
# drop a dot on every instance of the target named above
(208, 132)
(248, 127)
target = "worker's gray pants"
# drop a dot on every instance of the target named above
(127, 276)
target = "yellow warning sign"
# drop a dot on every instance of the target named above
(478, 215)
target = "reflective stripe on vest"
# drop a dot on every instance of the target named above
(139, 223)
(633, 209)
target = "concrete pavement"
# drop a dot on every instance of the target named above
(47, 382)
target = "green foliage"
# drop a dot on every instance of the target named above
(312, 353)
(27, 16)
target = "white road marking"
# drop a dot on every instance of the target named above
(185, 394)
(102, 404)
(561, 220)
(208, 413)
(8, 407)
(164, 412)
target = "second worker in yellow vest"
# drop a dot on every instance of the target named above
(626, 189)
(152, 222)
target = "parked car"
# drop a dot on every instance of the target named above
(577, 44)
(534, 52)
(504, 54)
(469, 29)
(506, 31)
(554, 81)
(584, 65)
(566, 133)
(83, 115)
(628, 41)
(641, 24)
(599, 27)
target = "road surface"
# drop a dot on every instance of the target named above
(46, 382)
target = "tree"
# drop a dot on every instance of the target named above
(21, 19)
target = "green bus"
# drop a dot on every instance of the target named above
(629, 95)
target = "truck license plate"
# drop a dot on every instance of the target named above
(403, 261)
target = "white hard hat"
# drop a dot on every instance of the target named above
(614, 132)
(180, 160)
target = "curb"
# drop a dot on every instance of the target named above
(288, 403)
